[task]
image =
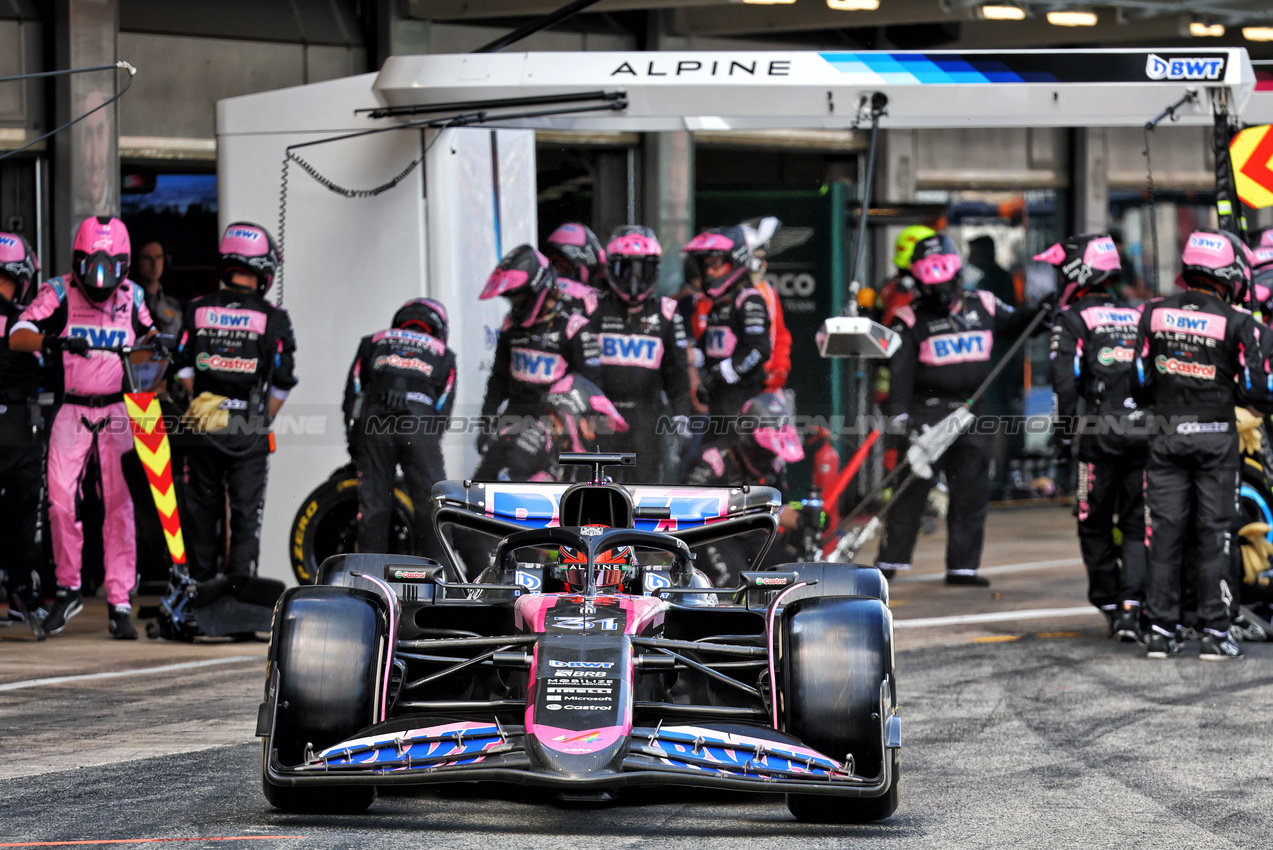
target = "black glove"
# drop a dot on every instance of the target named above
(73, 344)
(164, 344)
(703, 394)
(483, 442)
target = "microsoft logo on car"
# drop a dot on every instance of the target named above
(1184, 68)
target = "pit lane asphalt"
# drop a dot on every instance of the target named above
(1037, 733)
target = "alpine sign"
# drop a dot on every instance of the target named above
(1252, 154)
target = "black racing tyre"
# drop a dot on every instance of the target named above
(833, 653)
(326, 524)
(328, 645)
(837, 580)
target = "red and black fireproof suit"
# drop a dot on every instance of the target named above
(1196, 357)
(643, 354)
(21, 461)
(399, 395)
(1093, 343)
(943, 358)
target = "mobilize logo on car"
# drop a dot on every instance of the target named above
(1184, 68)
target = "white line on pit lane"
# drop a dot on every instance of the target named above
(141, 671)
(996, 617)
(1028, 566)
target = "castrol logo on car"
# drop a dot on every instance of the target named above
(1172, 366)
(219, 363)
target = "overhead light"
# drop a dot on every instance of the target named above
(1201, 30)
(1257, 33)
(853, 5)
(1072, 19)
(1003, 13)
(769, 2)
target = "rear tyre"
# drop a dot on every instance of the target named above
(328, 646)
(833, 654)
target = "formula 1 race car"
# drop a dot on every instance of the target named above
(589, 657)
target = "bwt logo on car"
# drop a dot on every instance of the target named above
(99, 337)
(582, 665)
(1184, 68)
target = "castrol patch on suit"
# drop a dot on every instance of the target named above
(947, 349)
(1184, 369)
(1188, 322)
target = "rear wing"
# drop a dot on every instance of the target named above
(696, 515)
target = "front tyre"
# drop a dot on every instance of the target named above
(834, 653)
(328, 645)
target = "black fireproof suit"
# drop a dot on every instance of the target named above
(642, 358)
(943, 358)
(1196, 357)
(21, 462)
(399, 395)
(528, 361)
(735, 348)
(238, 345)
(1093, 342)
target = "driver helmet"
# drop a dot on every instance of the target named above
(769, 441)
(524, 277)
(1217, 260)
(904, 247)
(18, 263)
(632, 263)
(423, 314)
(578, 403)
(100, 257)
(1083, 262)
(612, 567)
(249, 248)
(723, 256)
(937, 269)
(576, 253)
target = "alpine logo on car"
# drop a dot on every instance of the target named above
(1184, 67)
(1172, 366)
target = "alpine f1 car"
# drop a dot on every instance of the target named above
(591, 656)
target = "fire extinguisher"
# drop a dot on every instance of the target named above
(826, 468)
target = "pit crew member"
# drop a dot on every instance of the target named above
(1196, 356)
(643, 350)
(947, 335)
(237, 363)
(96, 304)
(398, 399)
(1091, 352)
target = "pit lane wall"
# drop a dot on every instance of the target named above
(349, 263)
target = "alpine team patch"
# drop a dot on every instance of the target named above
(948, 349)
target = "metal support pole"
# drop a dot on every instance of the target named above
(879, 101)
